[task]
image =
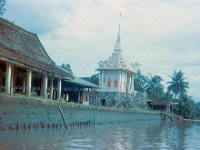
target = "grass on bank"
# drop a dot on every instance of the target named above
(137, 106)
(141, 106)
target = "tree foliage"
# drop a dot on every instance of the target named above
(2, 7)
(197, 112)
(178, 86)
(139, 79)
(154, 87)
(95, 79)
(68, 68)
(186, 107)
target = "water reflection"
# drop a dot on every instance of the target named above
(138, 135)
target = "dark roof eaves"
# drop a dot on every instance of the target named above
(22, 54)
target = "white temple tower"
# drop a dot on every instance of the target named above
(115, 76)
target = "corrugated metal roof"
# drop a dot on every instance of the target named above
(81, 82)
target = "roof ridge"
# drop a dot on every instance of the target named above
(23, 41)
(16, 26)
(43, 49)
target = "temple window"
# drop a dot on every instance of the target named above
(116, 84)
(109, 83)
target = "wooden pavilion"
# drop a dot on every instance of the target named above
(25, 67)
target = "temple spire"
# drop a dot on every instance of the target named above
(118, 42)
(119, 29)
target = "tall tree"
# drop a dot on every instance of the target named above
(186, 107)
(68, 68)
(139, 79)
(177, 86)
(2, 7)
(95, 79)
(154, 87)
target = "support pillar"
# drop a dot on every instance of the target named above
(79, 95)
(54, 94)
(44, 86)
(0, 82)
(51, 89)
(24, 86)
(8, 77)
(12, 86)
(29, 81)
(59, 88)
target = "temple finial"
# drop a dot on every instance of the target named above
(119, 23)
(119, 29)
(117, 47)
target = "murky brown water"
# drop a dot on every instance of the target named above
(153, 135)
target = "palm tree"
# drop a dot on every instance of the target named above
(186, 106)
(153, 87)
(178, 86)
(2, 7)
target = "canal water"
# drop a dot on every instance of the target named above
(140, 135)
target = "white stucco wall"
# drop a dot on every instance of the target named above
(115, 75)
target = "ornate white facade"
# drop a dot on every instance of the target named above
(115, 76)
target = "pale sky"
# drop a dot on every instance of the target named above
(161, 35)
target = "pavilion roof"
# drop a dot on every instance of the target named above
(79, 82)
(24, 48)
(158, 103)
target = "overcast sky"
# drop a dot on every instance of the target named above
(161, 35)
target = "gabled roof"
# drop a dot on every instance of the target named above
(116, 60)
(22, 42)
(157, 103)
(24, 48)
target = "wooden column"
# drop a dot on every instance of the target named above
(0, 81)
(51, 89)
(8, 77)
(44, 86)
(28, 82)
(12, 86)
(59, 88)
(79, 95)
(24, 86)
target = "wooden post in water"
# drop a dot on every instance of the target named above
(61, 113)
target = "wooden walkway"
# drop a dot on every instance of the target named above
(166, 115)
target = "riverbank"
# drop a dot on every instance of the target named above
(192, 120)
(21, 112)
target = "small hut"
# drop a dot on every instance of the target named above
(159, 105)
